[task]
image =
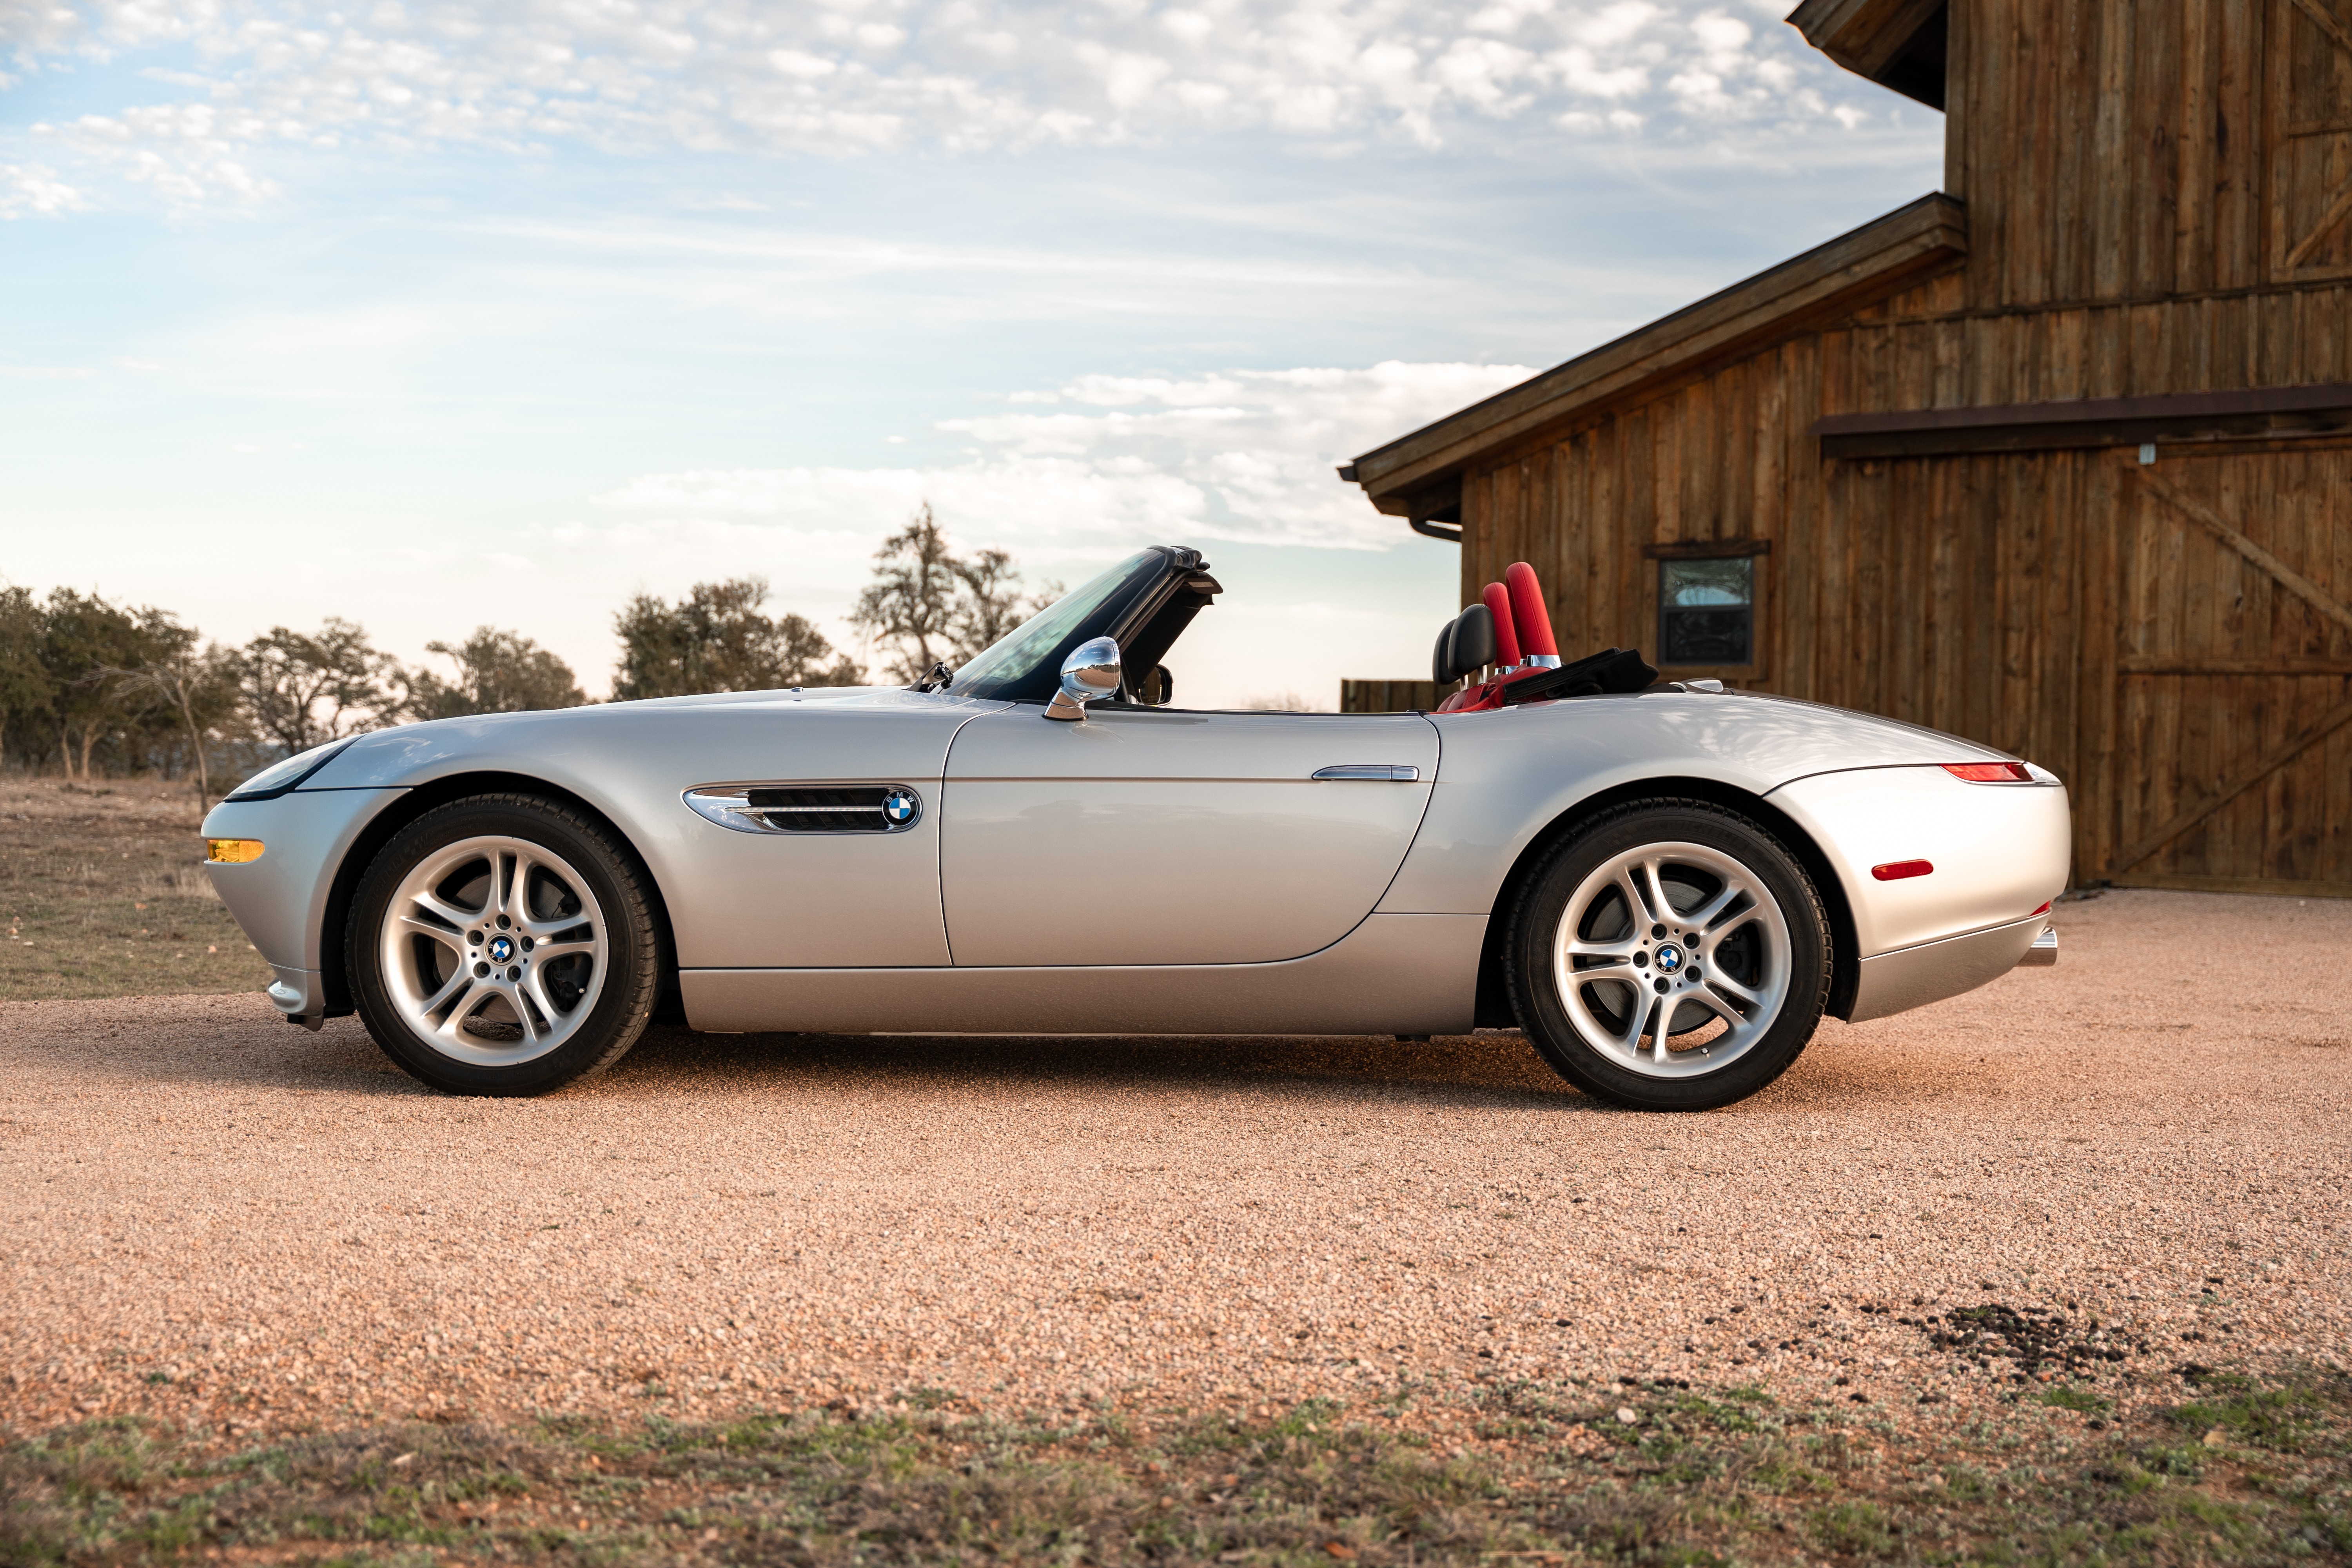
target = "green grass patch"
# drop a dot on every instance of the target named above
(2281, 1419)
(2243, 1470)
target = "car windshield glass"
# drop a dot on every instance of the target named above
(1027, 663)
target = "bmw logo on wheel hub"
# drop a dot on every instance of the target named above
(501, 948)
(1670, 959)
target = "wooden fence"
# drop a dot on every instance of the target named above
(1387, 696)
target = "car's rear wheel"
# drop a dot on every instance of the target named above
(503, 944)
(1669, 955)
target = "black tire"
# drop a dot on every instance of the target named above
(1580, 862)
(615, 989)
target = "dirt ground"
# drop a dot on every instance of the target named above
(211, 1215)
(103, 893)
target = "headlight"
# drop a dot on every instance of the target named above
(279, 777)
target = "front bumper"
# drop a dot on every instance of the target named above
(299, 994)
(280, 899)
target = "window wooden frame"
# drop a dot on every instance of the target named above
(1759, 607)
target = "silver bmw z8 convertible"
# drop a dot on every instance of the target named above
(1665, 884)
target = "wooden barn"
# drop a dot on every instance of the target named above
(2059, 458)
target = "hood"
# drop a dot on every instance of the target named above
(516, 742)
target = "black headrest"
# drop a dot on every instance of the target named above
(1469, 643)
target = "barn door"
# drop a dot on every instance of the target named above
(2310, 139)
(2234, 753)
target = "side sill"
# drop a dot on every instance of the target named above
(1394, 974)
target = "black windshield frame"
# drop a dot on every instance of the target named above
(1025, 665)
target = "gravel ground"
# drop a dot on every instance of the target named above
(209, 1215)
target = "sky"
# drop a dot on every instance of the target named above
(436, 316)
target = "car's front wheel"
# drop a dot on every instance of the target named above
(503, 944)
(1669, 955)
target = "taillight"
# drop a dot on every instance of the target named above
(1989, 772)
(1896, 870)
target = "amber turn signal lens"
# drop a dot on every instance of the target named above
(233, 851)
(1895, 870)
(1989, 772)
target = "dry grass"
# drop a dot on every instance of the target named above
(2231, 1471)
(103, 893)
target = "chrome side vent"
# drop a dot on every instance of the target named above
(808, 808)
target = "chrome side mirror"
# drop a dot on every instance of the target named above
(1089, 674)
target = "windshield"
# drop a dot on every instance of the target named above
(1026, 664)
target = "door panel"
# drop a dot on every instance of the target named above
(1146, 837)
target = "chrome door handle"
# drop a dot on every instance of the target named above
(1368, 773)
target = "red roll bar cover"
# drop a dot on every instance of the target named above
(1507, 636)
(1530, 619)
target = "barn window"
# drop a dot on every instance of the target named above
(1707, 611)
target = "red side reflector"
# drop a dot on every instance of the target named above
(1989, 772)
(2043, 910)
(1895, 870)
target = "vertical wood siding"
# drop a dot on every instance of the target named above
(2160, 200)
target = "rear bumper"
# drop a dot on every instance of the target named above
(1914, 976)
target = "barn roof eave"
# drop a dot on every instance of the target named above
(1846, 273)
(1898, 44)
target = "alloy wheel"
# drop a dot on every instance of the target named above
(1672, 960)
(494, 950)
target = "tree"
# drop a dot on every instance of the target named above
(26, 690)
(111, 687)
(83, 639)
(197, 689)
(935, 607)
(715, 639)
(304, 692)
(497, 672)
(912, 600)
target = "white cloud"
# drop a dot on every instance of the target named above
(1243, 455)
(804, 67)
(29, 188)
(273, 78)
